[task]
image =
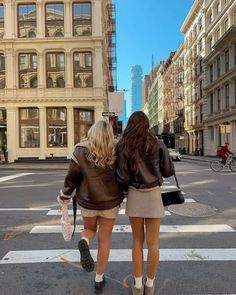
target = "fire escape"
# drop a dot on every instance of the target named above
(111, 47)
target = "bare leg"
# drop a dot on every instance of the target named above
(137, 225)
(104, 237)
(90, 227)
(152, 236)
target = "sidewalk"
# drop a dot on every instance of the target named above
(44, 166)
(35, 166)
(200, 158)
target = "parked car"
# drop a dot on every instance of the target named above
(175, 155)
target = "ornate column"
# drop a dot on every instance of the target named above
(233, 135)
(12, 133)
(11, 68)
(68, 70)
(41, 72)
(40, 19)
(97, 18)
(68, 19)
(8, 27)
(70, 131)
(42, 132)
(98, 67)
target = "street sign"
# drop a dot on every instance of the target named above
(108, 114)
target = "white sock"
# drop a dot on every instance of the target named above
(149, 282)
(138, 282)
(99, 278)
(86, 239)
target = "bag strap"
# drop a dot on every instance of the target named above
(74, 213)
(176, 180)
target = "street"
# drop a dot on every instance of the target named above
(197, 240)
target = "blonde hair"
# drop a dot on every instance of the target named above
(101, 145)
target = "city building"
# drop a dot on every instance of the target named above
(57, 65)
(194, 48)
(220, 86)
(181, 140)
(168, 102)
(136, 88)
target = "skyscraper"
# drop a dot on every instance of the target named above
(136, 88)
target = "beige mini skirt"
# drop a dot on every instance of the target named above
(145, 203)
(110, 213)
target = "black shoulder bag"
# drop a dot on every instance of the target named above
(173, 197)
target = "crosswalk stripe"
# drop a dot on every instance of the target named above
(119, 255)
(6, 178)
(70, 212)
(216, 228)
(25, 209)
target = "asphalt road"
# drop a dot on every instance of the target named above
(198, 254)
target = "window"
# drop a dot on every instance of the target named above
(82, 19)
(201, 113)
(200, 23)
(28, 70)
(2, 71)
(211, 73)
(210, 44)
(29, 127)
(226, 26)
(218, 66)
(200, 65)
(235, 54)
(56, 127)
(218, 99)
(83, 71)
(55, 66)
(211, 103)
(201, 88)
(234, 91)
(227, 96)
(217, 34)
(218, 8)
(210, 18)
(200, 45)
(1, 21)
(54, 20)
(83, 120)
(226, 60)
(27, 21)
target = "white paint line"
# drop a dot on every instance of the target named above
(189, 200)
(27, 185)
(119, 255)
(25, 209)
(216, 228)
(6, 178)
(168, 186)
(70, 212)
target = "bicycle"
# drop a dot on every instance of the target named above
(217, 166)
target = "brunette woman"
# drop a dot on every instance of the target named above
(142, 162)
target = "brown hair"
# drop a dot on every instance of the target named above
(136, 139)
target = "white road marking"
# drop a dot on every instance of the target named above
(119, 255)
(25, 209)
(216, 228)
(6, 178)
(70, 212)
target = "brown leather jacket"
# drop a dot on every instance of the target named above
(152, 166)
(96, 187)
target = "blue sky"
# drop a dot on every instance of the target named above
(145, 28)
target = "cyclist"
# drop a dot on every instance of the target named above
(224, 153)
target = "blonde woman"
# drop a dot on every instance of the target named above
(92, 174)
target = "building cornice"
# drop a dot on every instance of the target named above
(191, 16)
